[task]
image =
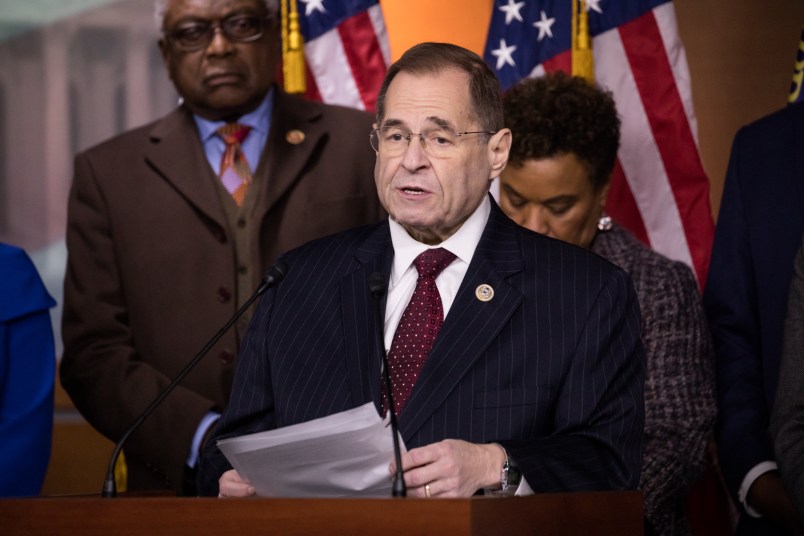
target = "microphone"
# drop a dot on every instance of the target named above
(377, 287)
(273, 276)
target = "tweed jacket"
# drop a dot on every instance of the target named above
(152, 271)
(552, 367)
(680, 403)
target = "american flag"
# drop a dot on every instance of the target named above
(659, 190)
(346, 49)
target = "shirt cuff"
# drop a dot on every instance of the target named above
(207, 421)
(524, 488)
(755, 472)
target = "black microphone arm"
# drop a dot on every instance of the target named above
(273, 276)
(377, 287)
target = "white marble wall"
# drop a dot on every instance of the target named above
(63, 88)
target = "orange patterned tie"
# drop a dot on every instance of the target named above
(235, 173)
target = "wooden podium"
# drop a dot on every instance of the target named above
(602, 513)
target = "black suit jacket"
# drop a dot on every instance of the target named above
(758, 232)
(552, 367)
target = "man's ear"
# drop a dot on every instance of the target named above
(498, 148)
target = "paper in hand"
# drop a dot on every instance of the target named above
(346, 454)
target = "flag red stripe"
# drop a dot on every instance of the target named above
(621, 205)
(656, 84)
(559, 62)
(364, 55)
(312, 92)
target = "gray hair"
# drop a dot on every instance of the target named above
(160, 8)
(435, 58)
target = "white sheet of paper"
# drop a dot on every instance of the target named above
(342, 455)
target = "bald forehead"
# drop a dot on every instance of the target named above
(164, 9)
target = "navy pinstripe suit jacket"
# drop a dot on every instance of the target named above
(552, 367)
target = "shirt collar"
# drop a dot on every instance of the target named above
(258, 119)
(462, 243)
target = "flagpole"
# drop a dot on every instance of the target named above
(582, 60)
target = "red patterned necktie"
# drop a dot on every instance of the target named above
(418, 327)
(235, 173)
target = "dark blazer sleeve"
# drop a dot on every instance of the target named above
(787, 420)
(599, 415)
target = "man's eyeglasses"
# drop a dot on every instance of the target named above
(439, 143)
(191, 36)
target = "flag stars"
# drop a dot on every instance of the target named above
(593, 5)
(512, 11)
(504, 55)
(545, 26)
(313, 5)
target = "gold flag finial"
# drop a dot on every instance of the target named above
(796, 93)
(293, 69)
(583, 63)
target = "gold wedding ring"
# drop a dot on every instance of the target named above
(427, 490)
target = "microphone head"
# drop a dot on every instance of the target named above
(377, 284)
(276, 273)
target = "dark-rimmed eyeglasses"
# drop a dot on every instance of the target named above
(439, 142)
(195, 35)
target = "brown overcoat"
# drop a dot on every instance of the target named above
(151, 270)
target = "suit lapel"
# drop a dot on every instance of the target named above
(359, 316)
(177, 155)
(471, 324)
(296, 132)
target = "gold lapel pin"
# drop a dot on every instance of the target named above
(295, 136)
(484, 292)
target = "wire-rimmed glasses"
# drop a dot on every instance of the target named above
(197, 34)
(392, 141)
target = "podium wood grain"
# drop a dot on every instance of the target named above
(548, 514)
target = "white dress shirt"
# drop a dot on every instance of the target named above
(403, 278)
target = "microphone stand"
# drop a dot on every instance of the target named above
(272, 277)
(377, 287)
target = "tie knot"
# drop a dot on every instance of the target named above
(233, 133)
(432, 262)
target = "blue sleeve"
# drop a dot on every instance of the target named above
(27, 372)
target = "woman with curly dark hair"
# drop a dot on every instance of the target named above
(566, 136)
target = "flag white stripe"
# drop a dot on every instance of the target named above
(378, 22)
(333, 75)
(639, 154)
(665, 17)
(537, 71)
